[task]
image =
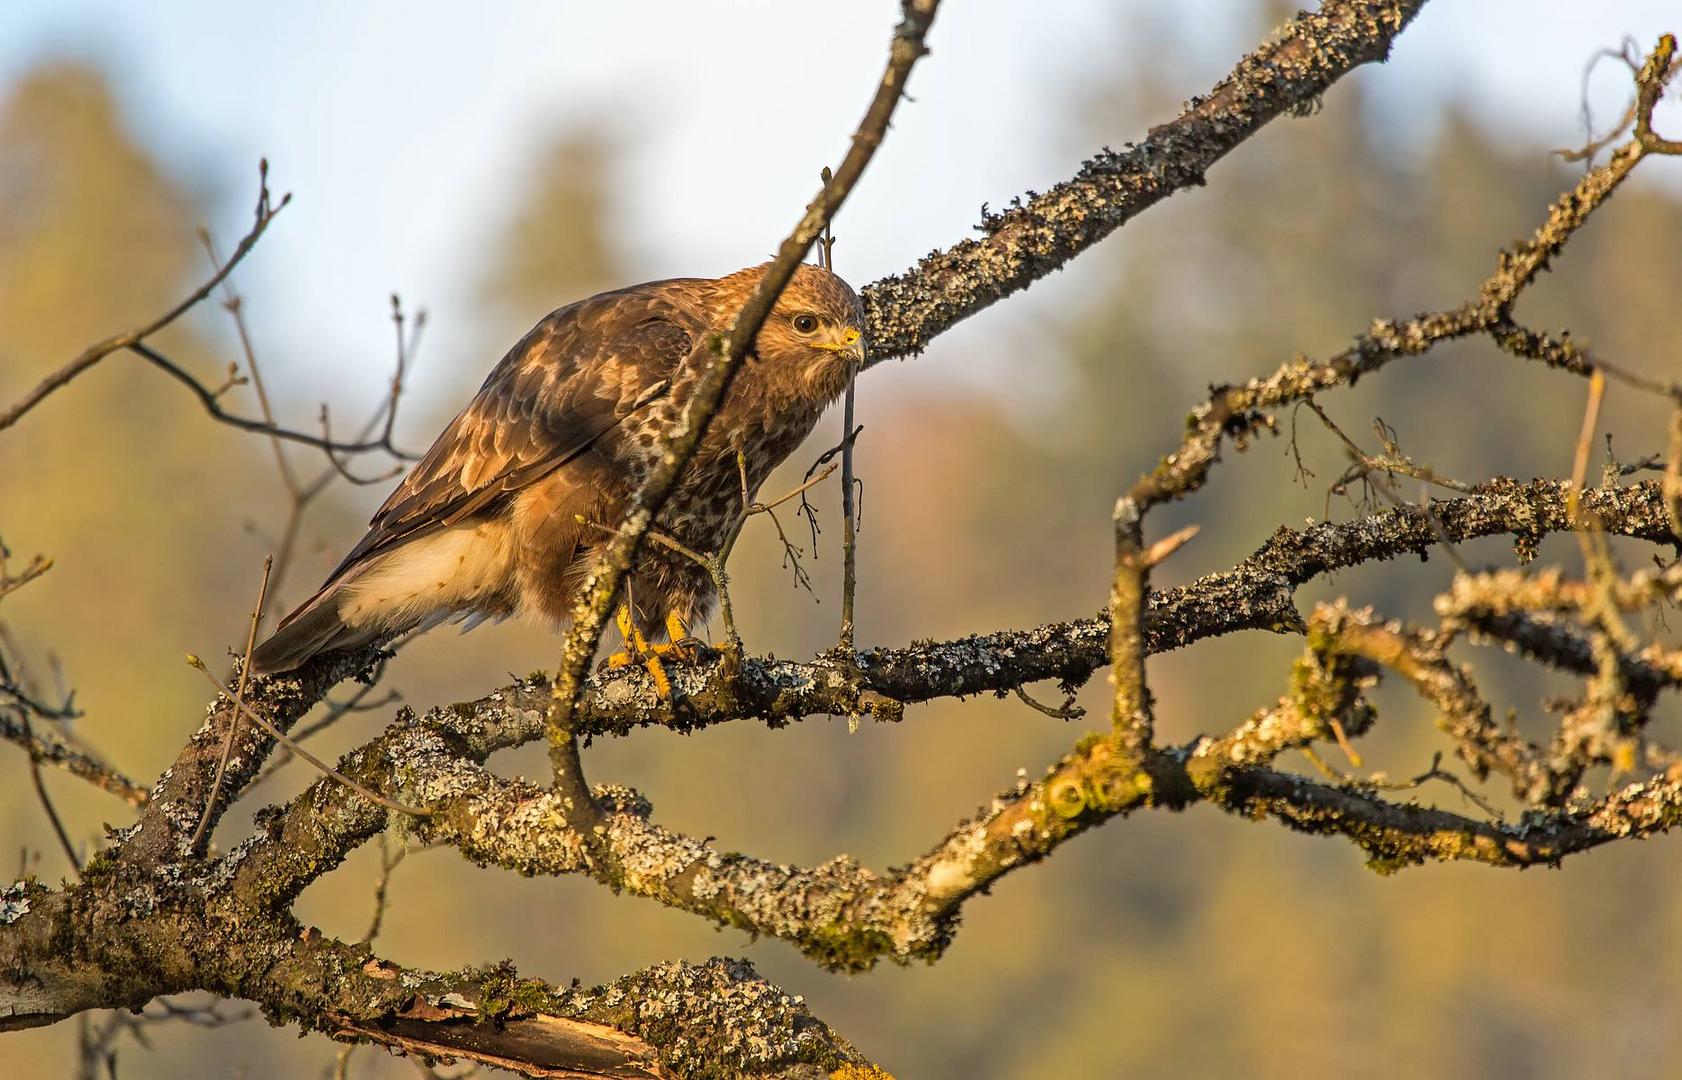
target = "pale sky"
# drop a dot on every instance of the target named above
(402, 127)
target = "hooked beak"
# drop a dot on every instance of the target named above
(850, 345)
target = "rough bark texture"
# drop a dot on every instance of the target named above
(152, 915)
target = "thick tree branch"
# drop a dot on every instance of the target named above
(153, 916)
(166, 826)
(1289, 72)
(95, 948)
(601, 585)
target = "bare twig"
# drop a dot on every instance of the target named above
(1592, 145)
(20, 703)
(259, 427)
(849, 517)
(99, 350)
(287, 741)
(601, 586)
(390, 857)
(1673, 474)
(10, 583)
(359, 701)
(1066, 711)
(70, 853)
(47, 751)
(239, 702)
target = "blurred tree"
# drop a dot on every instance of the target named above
(559, 243)
(1176, 946)
(1200, 947)
(95, 236)
(1298, 242)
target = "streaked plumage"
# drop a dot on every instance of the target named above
(567, 426)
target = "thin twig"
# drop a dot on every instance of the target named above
(767, 507)
(260, 427)
(1367, 468)
(234, 305)
(1673, 474)
(77, 763)
(602, 585)
(239, 701)
(1066, 711)
(382, 885)
(1593, 145)
(99, 350)
(36, 566)
(849, 518)
(336, 711)
(47, 802)
(283, 739)
(1596, 555)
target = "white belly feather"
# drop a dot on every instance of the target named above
(464, 570)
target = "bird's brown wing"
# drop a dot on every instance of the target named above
(562, 390)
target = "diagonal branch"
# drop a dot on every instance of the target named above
(602, 584)
(51, 751)
(99, 350)
(64, 952)
(1290, 71)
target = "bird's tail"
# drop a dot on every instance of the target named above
(413, 585)
(315, 628)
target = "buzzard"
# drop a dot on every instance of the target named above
(505, 513)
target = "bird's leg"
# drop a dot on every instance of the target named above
(638, 650)
(683, 645)
(627, 631)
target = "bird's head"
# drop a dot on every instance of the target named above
(814, 336)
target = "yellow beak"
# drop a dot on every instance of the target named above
(850, 342)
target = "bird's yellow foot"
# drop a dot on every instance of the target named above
(683, 646)
(637, 650)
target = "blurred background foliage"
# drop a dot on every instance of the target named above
(1194, 944)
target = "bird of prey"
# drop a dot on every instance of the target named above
(507, 511)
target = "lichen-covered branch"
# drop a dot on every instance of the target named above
(1239, 411)
(1254, 595)
(155, 914)
(172, 815)
(1420, 658)
(52, 751)
(601, 584)
(1041, 233)
(98, 947)
(844, 915)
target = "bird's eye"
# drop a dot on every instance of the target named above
(805, 323)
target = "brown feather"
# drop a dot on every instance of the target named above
(566, 426)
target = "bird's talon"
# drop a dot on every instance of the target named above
(685, 651)
(662, 683)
